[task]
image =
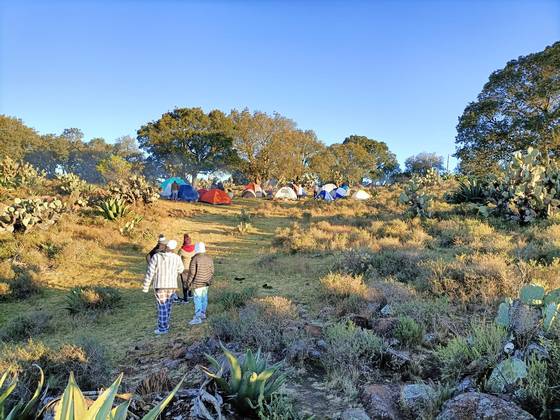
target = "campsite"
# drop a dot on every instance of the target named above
(279, 210)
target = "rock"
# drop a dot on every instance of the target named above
(354, 414)
(476, 405)
(171, 364)
(313, 330)
(524, 319)
(314, 354)
(416, 396)
(321, 344)
(387, 310)
(540, 352)
(361, 322)
(468, 384)
(384, 326)
(381, 402)
(297, 350)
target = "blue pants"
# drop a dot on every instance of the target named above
(164, 299)
(200, 297)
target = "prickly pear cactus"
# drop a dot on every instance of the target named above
(18, 174)
(23, 215)
(532, 294)
(507, 373)
(71, 183)
(415, 195)
(135, 190)
(529, 188)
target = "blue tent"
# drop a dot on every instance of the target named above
(324, 195)
(188, 193)
(166, 185)
(340, 193)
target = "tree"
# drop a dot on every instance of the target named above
(291, 153)
(127, 148)
(385, 163)
(16, 139)
(188, 141)
(420, 163)
(349, 162)
(114, 168)
(518, 107)
(49, 154)
(253, 137)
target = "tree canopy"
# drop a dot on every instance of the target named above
(518, 107)
(15, 137)
(384, 161)
(189, 141)
(422, 162)
(349, 162)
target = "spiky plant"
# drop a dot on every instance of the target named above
(72, 405)
(23, 410)
(250, 383)
(471, 190)
(113, 208)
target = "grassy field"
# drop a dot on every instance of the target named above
(442, 278)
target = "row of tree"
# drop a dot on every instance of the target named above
(251, 146)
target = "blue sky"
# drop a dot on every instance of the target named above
(397, 71)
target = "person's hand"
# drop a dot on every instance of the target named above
(145, 290)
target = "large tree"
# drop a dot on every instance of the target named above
(422, 162)
(385, 162)
(518, 107)
(16, 139)
(187, 141)
(339, 163)
(253, 138)
(291, 153)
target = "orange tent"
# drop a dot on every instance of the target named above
(215, 197)
(201, 191)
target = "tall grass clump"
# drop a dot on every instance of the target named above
(92, 299)
(479, 351)
(230, 299)
(351, 353)
(347, 292)
(26, 326)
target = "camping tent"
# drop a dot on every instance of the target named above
(215, 197)
(256, 188)
(188, 193)
(201, 191)
(285, 193)
(328, 187)
(361, 195)
(166, 185)
(324, 195)
(248, 193)
(340, 193)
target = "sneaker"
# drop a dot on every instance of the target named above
(159, 332)
(195, 321)
(203, 317)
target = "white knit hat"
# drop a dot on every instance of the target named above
(162, 238)
(172, 244)
(199, 248)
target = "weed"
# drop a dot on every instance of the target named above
(409, 332)
(229, 298)
(92, 298)
(26, 326)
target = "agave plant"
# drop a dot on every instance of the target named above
(471, 190)
(23, 410)
(72, 405)
(250, 383)
(113, 208)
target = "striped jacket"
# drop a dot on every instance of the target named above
(163, 270)
(201, 271)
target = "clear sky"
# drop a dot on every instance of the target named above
(397, 71)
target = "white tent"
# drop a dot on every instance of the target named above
(361, 195)
(328, 187)
(285, 193)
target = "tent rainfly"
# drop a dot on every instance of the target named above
(324, 195)
(285, 193)
(328, 187)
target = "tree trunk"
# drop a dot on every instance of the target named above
(194, 175)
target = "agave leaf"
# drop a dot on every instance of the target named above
(32, 404)
(236, 374)
(9, 389)
(120, 411)
(272, 386)
(72, 404)
(101, 408)
(157, 410)
(213, 362)
(244, 385)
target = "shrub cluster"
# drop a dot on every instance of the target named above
(26, 326)
(91, 299)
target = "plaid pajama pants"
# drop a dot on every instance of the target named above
(164, 301)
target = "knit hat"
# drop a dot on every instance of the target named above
(161, 238)
(199, 248)
(171, 245)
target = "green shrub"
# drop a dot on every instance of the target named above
(22, 286)
(92, 298)
(87, 358)
(537, 387)
(265, 323)
(470, 190)
(280, 407)
(484, 347)
(351, 352)
(409, 332)
(229, 298)
(26, 326)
